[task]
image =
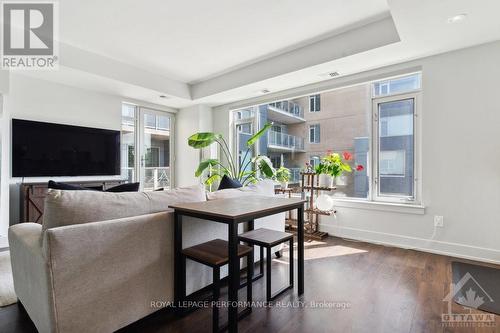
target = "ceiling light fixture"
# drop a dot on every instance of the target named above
(457, 18)
(163, 96)
(265, 91)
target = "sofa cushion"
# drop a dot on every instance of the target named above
(74, 207)
(263, 187)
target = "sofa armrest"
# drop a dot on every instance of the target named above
(107, 273)
(32, 281)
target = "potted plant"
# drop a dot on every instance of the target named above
(333, 165)
(282, 175)
(246, 172)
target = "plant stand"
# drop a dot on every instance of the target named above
(311, 190)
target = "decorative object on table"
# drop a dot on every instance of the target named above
(282, 175)
(246, 172)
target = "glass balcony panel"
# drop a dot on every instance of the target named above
(289, 107)
(285, 140)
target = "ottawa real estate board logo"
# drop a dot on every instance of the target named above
(29, 35)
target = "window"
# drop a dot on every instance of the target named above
(395, 148)
(152, 158)
(314, 103)
(397, 85)
(146, 147)
(314, 160)
(392, 163)
(376, 122)
(314, 135)
(128, 142)
(245, 128)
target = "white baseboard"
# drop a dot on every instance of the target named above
(420, 244)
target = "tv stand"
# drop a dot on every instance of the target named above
(33, 197)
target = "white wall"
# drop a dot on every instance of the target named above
(460, 159)
(31, 98)
(34, 99)
(189, 121)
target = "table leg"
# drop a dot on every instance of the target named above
(251, 225)
(179, 264)
(234, 277)
(300, 248)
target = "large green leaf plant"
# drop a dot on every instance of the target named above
(246, 172)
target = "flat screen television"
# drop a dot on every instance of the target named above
(44, 149)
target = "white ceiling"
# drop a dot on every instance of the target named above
(220, 51)
(191, 40)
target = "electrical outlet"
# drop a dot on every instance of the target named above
(438, 221)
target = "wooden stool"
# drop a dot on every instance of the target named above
(266, 238)
(215, 254)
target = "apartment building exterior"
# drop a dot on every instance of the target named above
(309, 127)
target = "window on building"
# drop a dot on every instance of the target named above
(314, 160)
(392, 163)
(314, 133)
(315, 103)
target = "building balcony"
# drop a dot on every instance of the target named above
(282, 142)
(285, 112)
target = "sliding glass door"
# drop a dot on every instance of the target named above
(147, 147)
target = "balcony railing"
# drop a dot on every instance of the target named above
(289, 107)
(154, 177)
(285, 140)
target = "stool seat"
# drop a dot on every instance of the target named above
(265, 237)
(214, 253)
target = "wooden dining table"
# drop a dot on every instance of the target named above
(232, 212)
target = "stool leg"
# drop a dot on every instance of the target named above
(291, 262)
(261, 259)
(215, 298)
(249, 276)
(268, 274)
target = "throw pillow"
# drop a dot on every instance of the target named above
(71, 187)
(128, 187)
(227, 182)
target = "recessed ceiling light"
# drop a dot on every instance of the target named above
(163, 96)
(457, 18)
(265, 91)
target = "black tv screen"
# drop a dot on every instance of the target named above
(45, 149)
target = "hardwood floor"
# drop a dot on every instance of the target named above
(384, 289)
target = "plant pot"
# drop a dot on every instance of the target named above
(341, 181)
(325, 180)
(284, 185)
